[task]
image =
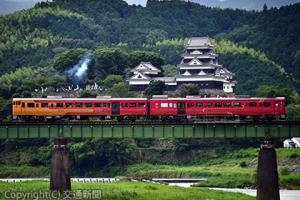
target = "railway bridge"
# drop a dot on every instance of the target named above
(267, 175)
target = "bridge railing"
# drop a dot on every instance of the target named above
(151, 130)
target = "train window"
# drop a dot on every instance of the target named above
(227, 104)
(23, 105)
(98, 105)
(164, 105)
(267, 104)
(218, 104)
(104, 104)
(181, 105)
(30, 105)
(208, 104)
(190, 105)
(69, 105)
(125, 105)
(36, 105)
(78, 105)
(132, 105)
(199, 104)
(170, 105)
(88, 105)
(142, 105)
(44, 105)
(108, 105)
(252, 104)
(237, 104)
(59, 105)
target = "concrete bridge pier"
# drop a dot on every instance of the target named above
(60, 177)
(267, 174)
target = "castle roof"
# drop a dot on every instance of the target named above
(146, 67)
(199, 42)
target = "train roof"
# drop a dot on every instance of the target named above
(93, 99)
(73, 99)
(230, 98)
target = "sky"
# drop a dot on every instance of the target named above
(9, 6)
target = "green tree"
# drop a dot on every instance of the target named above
(155, 36)
(293, 111)
(272, 91)
(119, 90)
(88, 94)
(5, 107)
(111, 80)
(187, 89)
(155, 88)
(169, 70)
(68, 59)
(136, 57)
(108, 61)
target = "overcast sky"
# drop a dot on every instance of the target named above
(9, 6)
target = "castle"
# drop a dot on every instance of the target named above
(199, 66)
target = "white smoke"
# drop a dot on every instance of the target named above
(79, 71)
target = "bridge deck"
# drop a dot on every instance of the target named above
(12, 130)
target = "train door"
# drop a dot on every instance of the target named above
(276, 105)
(181, 108)
(115, 108)
(23, 108)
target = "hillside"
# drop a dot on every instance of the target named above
(262, 48)
(248, 5)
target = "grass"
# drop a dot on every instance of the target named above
(236, 168)
(131, 191)
(218, 175)
(8, 171)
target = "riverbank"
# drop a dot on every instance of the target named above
(127, 190)
(222, 167)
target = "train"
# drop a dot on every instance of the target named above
(143, 108)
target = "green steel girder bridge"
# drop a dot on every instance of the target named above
(60, 178)
(25, 130)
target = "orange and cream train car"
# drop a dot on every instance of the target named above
(78, 107)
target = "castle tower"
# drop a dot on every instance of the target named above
(199, 65)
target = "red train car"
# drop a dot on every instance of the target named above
(141, 107)
(218, 107)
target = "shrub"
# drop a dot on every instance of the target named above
(294, 155)
(284, 171)
(243, 164)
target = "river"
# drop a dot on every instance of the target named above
(284, 194)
